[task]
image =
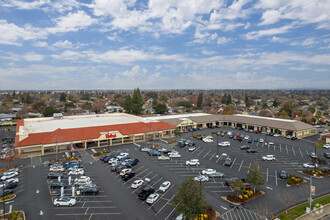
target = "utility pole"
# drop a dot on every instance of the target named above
(218, 133)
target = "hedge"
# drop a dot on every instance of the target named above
(292, 180)
(14, 215)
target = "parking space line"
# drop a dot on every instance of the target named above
(207, 153)
(162, 196)
(294, 153)
(164, 206)
(196, 150)
(287, 152)
(300, 152)
(233, 163)
(201, 152)
(212, 156)
(240, 166)
(280, 147)
(218, 159)
(307, 152)
(267, 175)
(276, 177)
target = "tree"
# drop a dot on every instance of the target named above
(265, 113)
(229, 110)
(264, 106)
(318, 115)
(287, 199)
(275, 103)
(190, 199)
(152, 94)
(256, 108)
(49, 111)
(177, 132)
(128, 104)
(247, 103)
(137, 102)
(238, 186)
(312, 109)
(224, 99)
(98, 105)
(255, 176)
(63, 97)
(200, 100)
(161, 109)
(39, 106)
(163, 98)
(228, 101)
(10, 156)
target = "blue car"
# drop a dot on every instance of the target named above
(255, 140)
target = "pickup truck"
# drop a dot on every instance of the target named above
(146, 191)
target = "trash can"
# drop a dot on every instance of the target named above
(78, 192)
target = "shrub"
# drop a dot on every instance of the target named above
(6, 197)
(240, 197)
(246, 196)
(294, 180)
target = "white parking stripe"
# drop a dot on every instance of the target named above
(287, 152)
(161, 196)
(276, 177)
(165, 205)
(240, 166)
(280, 147)
(267, 175)
(212, 156)
(201, 152)
(300, 152)
(294, 153)
(233, 163)
(207, 153)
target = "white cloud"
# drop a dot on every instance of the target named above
(306, 43)
(279, 39)
(24, 4)
(135, 71)
(31, 56)
(40, 44)
(254, 35)
(72, 22)
(205, 37)
(270, 17)
(69, 55)
(63, 44)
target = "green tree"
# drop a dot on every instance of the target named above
(264, 106)
(318, 115)
(137, 102)
(228, 101)
(49, 111)
(224, 99)
(177, 132)
(190, 199)
(312, 109)
(255, 176)
(161, 109)
(39, 106)
(163, 98)
(152, 95)
(200, 100)
(275, 103)
(256, 108)
(63, 97)
(128, 104)
(247, 103)
(237, 186)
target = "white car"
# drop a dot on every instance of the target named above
(165, 185)
(122, 155)
(309, 165)
(137, 183)
(224, 144)
(76, 172)
(326, 146)
(82, 178)
(112, 160)
(192, 162)
(65, 201)
(270, 143)
(208, 171)
(207, 140)
(124, 171)
(163, 158)
(276, 135)
(56, 169)
(152, 198)
(268, 158)
(192, 148)
(261, 140)
(174, 154)
(289, 137)
(224, 155)
(229, 133)
(14, 180)
(246, 137)
(201, 178)
(82, 182)
(9, 175)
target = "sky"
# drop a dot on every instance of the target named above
(164, 44)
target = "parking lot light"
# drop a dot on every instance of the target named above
(218, 133)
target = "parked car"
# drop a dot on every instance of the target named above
(106, 159)
(89, 191)
(174, 154)
(251, 151)
(122, 155)
(6, 192)
(132, 163)
(230, 136)
(224, 144)
(163, 158)
(128, 175)
(146, 191)
(9, 185)
(310, 165)
(271, 143)
(246, 137)
(250, 141)
(9, 175)
(312, 155)
(82, 178)
(217, 175)
(152, 198)
(163, 149)
(54, 175)
(65, 201)
(326, 155)
(76, 172)
(293, 138)
(228, 162)
(276, 135)
(192, 148)
(201, 178)
(261, 140)
(114, 167)
(56, 169)
(235, 138)
(145, 149)
(192, 162)
(208, 171)
(124, 171)
(326, 146)
(255, 140)
(154, 153)
(120, 168)
(57, 184)
(283, 174)
(137, 183)
(81, 182)
(111, 160)
(165, 186)
(268, 158)
(245, 147)
(90, 185)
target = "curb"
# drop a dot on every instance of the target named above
(10, 198)
(237, 203)
(287, 185)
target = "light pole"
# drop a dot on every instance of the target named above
(218, 133)
(310, 193)
(108, 140)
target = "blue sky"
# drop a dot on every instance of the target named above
(158, 44)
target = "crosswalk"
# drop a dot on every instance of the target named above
(86, 157)
(240, 213)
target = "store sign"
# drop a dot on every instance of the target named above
(313, 190)
(111, 135)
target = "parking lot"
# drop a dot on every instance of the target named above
(117, 200)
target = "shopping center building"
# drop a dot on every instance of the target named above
(39, 136)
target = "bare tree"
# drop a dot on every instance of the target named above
(287, 199)
(11, 156)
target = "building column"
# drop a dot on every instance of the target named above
(134, 139)
(56, 148)
(42, 150)
(122, 140)
(85, 145)
(98, 143)
(110, 142)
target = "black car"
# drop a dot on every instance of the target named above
(326, 155)
(228, 161)
(231, 136)
(103, 156)
(240, 139)
(128, 176)
(6, 192)
(283, 174)
(57, 184)
(200, 138)
(154, 153)
(251, 151)
(89, 191)
(250, 141)
(124, 158)
(146, 191)
(245, 147)
(182, 143)
(54, 175)
(132, 162)
(10, 185)
(293, 138)
(106, 159)
(235, 138)
(120, 168)
(113, 168)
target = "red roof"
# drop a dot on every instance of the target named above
(75, 134)
(326, 135)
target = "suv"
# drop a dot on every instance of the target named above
(128, 176)
(146, 192)
(89, 190)
(224, 144)
(182, 143)
(283, 174)
(132, 162)
(154, 153)
(228, 162)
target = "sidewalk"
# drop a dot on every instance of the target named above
(320, 213)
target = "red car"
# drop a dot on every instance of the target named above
(258, 132)
(237, 135)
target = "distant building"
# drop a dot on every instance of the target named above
(7, 117)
